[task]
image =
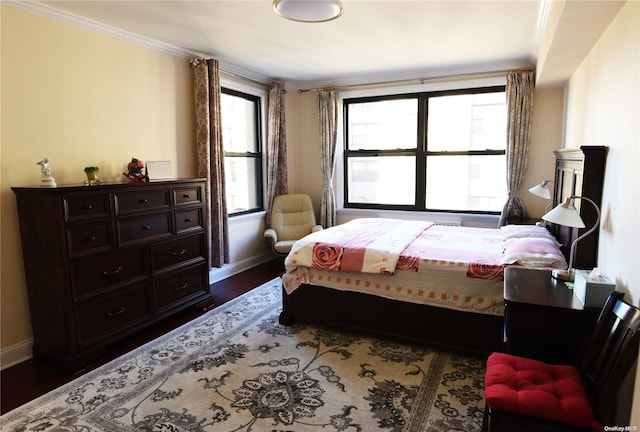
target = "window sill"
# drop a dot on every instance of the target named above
(462, 219)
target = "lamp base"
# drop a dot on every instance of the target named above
(567, 275)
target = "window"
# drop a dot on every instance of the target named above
(242, 151)
(437, 151)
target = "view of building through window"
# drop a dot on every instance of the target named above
(442, 151)
(473, 123)
(243, 159)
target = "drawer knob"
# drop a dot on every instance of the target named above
(111, 272)
(146, 228)
(181, 287)
(144, 201)
(187, 219)
(91, 238)
(87, 207)
(120, 312)
(186, 196)
(180, 252)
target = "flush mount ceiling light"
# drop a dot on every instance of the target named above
(308, 10)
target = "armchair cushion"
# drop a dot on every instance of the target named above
(292, 217)
(530, 387)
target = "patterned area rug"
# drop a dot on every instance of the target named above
(236, 369)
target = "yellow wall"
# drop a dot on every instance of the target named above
(79, 98)
(603, 108)
(303, 145)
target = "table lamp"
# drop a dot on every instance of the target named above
(567, 215)
(542, 190)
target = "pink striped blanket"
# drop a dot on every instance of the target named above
(361, 245)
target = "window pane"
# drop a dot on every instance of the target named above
(383, 125)
(467, 122)
(243, 161)
(238, 124)
(475, 183)
(382, 180)
(241, 180)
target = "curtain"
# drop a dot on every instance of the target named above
(328, 112)
(276, 147)
(519, 92)
(210, 156)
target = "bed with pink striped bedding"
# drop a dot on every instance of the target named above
(420, 262)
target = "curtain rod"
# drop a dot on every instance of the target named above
(195, 61)
(420, 80)
(244, 78)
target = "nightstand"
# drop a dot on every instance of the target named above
(522, 221)
(543, 319)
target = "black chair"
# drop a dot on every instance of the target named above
(527, 395)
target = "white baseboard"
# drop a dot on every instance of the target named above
(22, 351)
(15, 354)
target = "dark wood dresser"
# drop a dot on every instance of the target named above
(106, 260)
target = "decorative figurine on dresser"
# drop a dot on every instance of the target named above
(47, 179)
(109, 260)
(134, 171)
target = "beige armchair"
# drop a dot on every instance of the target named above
(292, 217)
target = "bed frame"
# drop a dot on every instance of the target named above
(431, 325)
(570, 179)
(409, 322)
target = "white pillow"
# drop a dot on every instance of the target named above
(525, 231)
(533, 252)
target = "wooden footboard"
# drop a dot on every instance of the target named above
(410, 322)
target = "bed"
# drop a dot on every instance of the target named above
(443, 288)
(410, 278)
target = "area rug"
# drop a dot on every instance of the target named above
(237, 369)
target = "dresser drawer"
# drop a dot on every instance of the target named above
(86, 207)
(180, 286)
(144, 229)
(108, 314)
(94, 274)
(84, 239)
(140, 201)
(177, 251)
(185, 196)
(188, 220)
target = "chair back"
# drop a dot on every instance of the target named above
(292, 216)
(611, 353)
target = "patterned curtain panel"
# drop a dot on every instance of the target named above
(276, 147)
(520, 89)
(210, 154)
(328, 111)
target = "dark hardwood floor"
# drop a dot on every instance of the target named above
(32, 378)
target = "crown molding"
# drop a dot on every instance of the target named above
(541, 25)
(47, 11)
(444, 73)
(50, 12)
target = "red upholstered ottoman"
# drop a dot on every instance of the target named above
(530, 387)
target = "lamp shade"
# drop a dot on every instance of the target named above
(308, 10)
(541, 190)
(565, 214)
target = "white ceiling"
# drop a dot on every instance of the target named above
(373, 40)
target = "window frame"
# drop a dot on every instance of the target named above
(257, 156)
(421, 151)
